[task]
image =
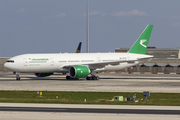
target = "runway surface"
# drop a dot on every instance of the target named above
(108, 83)
(70, 111)
(82, 116)
(90, 110)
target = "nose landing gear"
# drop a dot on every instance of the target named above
(17, 76)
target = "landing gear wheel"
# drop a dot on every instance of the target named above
(92, 77)
(18, 78)
(70, 78)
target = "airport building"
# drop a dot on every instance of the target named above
(165, 61)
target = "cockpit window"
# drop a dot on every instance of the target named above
(12, 61)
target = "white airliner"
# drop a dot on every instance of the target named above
(81, 65)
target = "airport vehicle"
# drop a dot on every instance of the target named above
(81, 65)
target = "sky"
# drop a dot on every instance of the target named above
(54, 26)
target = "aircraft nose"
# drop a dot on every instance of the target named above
(7, 66)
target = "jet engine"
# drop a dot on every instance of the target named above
(42, 74)
(78, 71)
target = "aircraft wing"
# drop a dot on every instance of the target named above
(100, 64)
(95, 65)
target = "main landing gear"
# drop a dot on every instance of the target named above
(70, 78)
(93, 77)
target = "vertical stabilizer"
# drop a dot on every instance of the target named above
(79, 48)
(141, 44)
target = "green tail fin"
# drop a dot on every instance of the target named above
(140, 46)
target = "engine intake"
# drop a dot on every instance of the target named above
(78, 71)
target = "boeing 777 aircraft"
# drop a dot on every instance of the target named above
(81, 65)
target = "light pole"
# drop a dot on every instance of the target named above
(87, 34)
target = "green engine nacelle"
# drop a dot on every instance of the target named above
(78, 71)
(43, 74)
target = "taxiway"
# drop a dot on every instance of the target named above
(107, 83)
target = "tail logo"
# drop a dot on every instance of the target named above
(142, 41)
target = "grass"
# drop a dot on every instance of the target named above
(163, 99)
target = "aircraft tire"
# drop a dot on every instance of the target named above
(68, 77)
(18, 78)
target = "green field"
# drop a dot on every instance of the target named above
(164, 99)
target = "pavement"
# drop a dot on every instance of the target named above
(14, 111)
(108, 83)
